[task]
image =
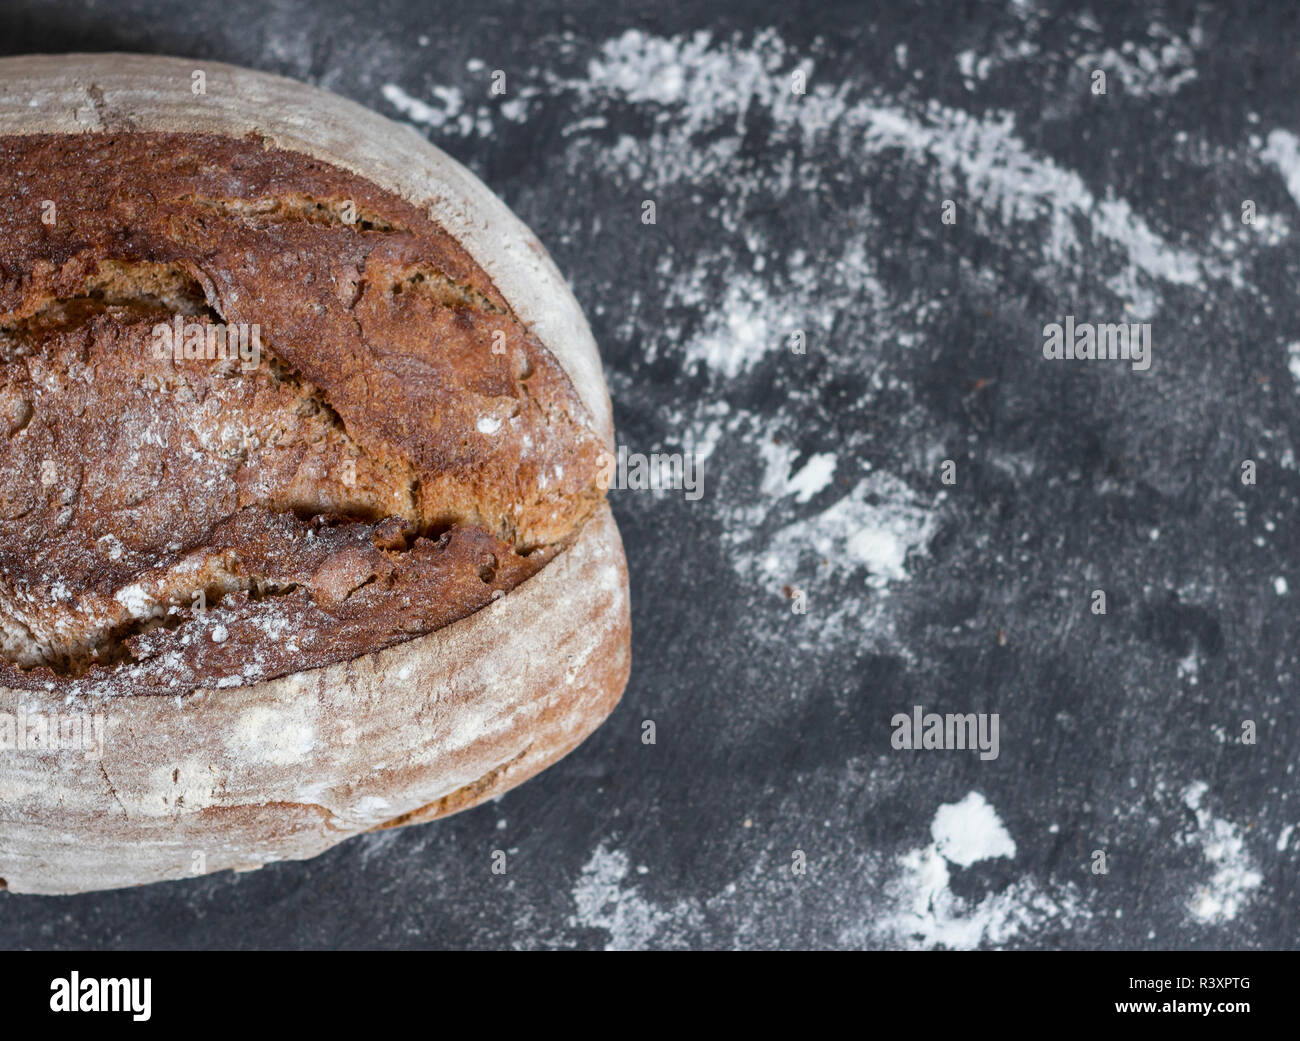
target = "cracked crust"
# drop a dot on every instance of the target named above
(77, 93)
(225, 776)
(388, 449)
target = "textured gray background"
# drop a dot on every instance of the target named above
(1118, 732)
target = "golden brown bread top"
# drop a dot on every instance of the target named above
(403, 451)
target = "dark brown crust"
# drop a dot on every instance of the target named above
(428, 453)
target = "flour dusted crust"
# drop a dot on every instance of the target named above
(219, 775)
(75, 93)
(285, 769)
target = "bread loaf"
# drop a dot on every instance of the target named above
(302, 526)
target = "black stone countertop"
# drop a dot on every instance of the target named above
(823, 472)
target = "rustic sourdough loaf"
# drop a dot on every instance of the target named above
(302, 527)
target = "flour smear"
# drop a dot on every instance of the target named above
(925, 913)
(791, 508)
(1234, 875)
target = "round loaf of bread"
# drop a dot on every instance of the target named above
(303, 530)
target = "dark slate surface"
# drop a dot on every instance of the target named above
(1120, 732)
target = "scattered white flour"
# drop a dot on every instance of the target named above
(915, 908)
(449, 115)
(702, 437)
(603, 900)
(725, 318)
(1293, 363)
(1284, 837)
(1235, 874)
(815, 475)
(1143, 71)
(872, 529)
(1283, 152)
(843, 555)
(741, 331)
(418, 111)
(746, 317)
(1009, 184)
(778, 482)
(862, 539)
(705, 89)
(967, 831)
(704, 79)
(925, 913)
(700, 92)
